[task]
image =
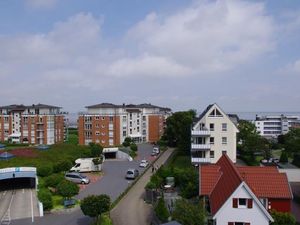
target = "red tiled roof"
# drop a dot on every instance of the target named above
(219, 181)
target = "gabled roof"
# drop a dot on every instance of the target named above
(220, 180)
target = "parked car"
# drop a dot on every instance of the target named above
(144, 163)
(132, 173)
(155, 151)
(77, 178)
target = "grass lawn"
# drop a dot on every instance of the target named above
(57, 201)
(182, 162)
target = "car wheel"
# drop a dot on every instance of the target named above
(82, 182)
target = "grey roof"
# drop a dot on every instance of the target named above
(202, 114)
(172, 223)
(23, 107)
(6, 155)
(110, 105)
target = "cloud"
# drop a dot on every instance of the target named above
(291, 68)
(41, 4)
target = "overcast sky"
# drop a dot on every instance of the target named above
(182, 54)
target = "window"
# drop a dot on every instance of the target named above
(212, 154)
(124, 133)
(111, 118)
(224, 152)
(97, 117)
(97, 125)
(224, 140)
(242, 203)
(130, 131)
(138, 129)
(103, 126)
(97, 133)
(238, 223)
(224, 126)
(211, 140)
(130, 124)
(215, 113)
(103, 118)
(124, 119)
(211, 127)
(130, 116)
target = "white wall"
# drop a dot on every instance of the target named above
(254, 216)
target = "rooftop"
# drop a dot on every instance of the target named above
(128, 106)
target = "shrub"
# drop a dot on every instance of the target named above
(96, 149)
(95, 205)
(151, 185)
(296, 160)
(45, 170)
(161, 210)
(105, 220)
(62, 166)
(281, 218)
(53, 180)
(45, 197)
(98, 160)
(156, 180)
(127, 142)
(67, 189)
(284, 157)
(133, 147)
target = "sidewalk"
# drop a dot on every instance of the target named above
(132, 210)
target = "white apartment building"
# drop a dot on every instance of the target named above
(272, 126)
(213, 134)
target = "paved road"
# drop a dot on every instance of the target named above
(132, 210)
(113, 183)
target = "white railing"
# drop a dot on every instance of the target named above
(201, 160)
(200, 133)
(200, 146)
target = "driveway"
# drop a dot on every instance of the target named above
(113, 183)
(132, 210)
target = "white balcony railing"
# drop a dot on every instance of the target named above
(200, 146)
(200, 133)
(201, 160)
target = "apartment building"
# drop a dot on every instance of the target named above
(34, 124)
(213, 134)
(109, 124)
(271, 126)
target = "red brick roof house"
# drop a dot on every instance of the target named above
(243, 195)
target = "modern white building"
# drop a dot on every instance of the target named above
(272, 126)
(212, 134)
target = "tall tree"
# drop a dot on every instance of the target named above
(95, 205)
(178, 131)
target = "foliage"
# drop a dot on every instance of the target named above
(62, 166)
(53, 180)
(98, 160)
(161, 210)
(104, 220)
(151, 185)
(45, 170)
(45, 197)
(281, 218)
(187, 180)
(96, 149)
(127, 142)
(292, 141)
(72, 136)
(284, 157)
(178, 131)
(95, 205)
(133, 147)
(296, 160)
(67, 189)
(156, 180)
(189, 214)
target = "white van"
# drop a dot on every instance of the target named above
(85, 165)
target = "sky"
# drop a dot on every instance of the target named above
(182, 54)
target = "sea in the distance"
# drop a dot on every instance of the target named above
(252, 115)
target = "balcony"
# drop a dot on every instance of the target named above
(200, 147)
(201, 160)
(200, 133)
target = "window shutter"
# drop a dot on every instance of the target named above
(230, 223)
(234, 202)
(250, 203)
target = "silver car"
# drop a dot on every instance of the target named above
(132, 173)
(77, 178)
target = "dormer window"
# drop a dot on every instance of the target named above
(242, 203)
(215, 113)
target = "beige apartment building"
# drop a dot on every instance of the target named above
(109, 124)
(34, 124)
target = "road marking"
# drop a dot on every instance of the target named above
(32, 217)
(6, 218)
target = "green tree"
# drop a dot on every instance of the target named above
(62, 166)
(161, 210)
(45, 170)
(292, 141)
(53, 180)
(284, 157)
(96, 149)
(95, 205)
(178, 131)
(127, 142)
(188, 213)
(67, 189)
(281, 218)
(45, 197)
(133, 147)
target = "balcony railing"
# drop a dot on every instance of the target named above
(200, 146)
(201, 160)
(200, 133)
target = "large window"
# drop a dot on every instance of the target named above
(211, 126)
(212, 154)
(211, 140)
(224, 126)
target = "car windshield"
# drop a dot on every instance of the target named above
(129, 172)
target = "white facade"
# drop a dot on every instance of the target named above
(256, 215)
(272, 126)
(212, 135)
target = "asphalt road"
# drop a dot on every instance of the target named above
(113, 183)
(132, 210)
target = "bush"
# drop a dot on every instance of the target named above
(45, 170)
(98, 160)
(62, 166)
(150, 185)
(281, 218)
(45, 197)
(127, 142)
(296, 160)
(161, 210)
(67, 189)
(95, 205)
(53, 180)
(133, 147)
(156, 180)
(284, 157)
(105, 220)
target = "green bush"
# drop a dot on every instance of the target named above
(127, 142)
(53, 180)
(105, 220)
(67, 189)
(133, 147)
(281, 218)
(156, 180)
(45, 197)
(296, 160)
(95, 205)
(161, 210)
(45, 170)
(151, 185)
(96, 149)
(62, 166)
(284, 157)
